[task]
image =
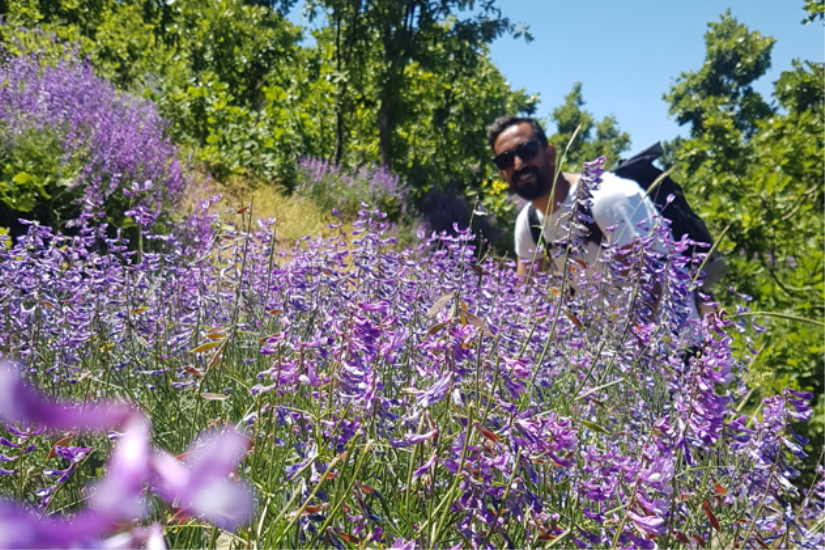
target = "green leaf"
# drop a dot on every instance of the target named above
(22, 178)
(436, 328)
(595, 427)
(214, 396)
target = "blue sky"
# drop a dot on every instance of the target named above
(627, 54)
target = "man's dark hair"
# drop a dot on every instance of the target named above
(503, 122)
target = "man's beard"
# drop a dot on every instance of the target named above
(533, 189)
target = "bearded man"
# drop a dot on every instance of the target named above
(620, 208)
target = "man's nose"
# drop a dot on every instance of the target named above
(518, 164)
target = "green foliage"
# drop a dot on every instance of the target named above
(758, 169)
(248, 100)
(800, 90)
(120, 37)
(734, 59)
(393, 35)
(210, 66)
(594, 139)
(33, 175)
(440, 116)
(815, 9)
(447, 143)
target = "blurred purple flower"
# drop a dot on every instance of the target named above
(20, 403)
(204, 487)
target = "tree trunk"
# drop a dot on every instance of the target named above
(339, 115)
(339, 135)
(385, 123)
(389, 89)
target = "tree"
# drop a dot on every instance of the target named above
(593, 140)
(407, 32)
(756, 169)
(245, 98)
(815, 10)
(735, 58)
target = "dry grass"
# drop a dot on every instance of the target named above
(295, 217)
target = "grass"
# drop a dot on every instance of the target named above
(296, 217)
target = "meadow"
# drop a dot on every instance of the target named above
(347, 393)
(177, 373)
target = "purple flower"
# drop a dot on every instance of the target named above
(111, 138)
(651, 524)
(340, 333)
(415, 439)
(436, 392)
(425, 467)
(658, 474)
(205, 486)
(401, 544)
(20, 403)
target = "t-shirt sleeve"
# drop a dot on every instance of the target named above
(623, 203)
(523, 239)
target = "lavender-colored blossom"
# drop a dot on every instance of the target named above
(426, 466)
(204, 486)
(436, 392)
(20, 403)
(401, 544)
(118, 497)
(341, 191)
(415, 439)
(650, 524)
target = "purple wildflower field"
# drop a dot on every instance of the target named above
(213, 390)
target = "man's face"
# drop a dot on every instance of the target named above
(530, 179)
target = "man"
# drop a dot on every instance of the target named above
(527, 162)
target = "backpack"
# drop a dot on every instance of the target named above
(683, 219)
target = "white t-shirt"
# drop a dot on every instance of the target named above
(617, 201)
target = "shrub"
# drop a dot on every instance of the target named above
(72, 143)
(408, 398)
(333, 188)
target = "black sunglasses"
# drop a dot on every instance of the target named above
(525, 151)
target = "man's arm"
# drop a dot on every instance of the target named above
(523, 266)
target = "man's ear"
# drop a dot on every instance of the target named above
(551, 154)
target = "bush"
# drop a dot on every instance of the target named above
(398, 398)
(72, 144)
(333, 188)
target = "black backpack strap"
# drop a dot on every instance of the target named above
(535, 225)
(644, 158)
(640, 168)
(594, 232)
